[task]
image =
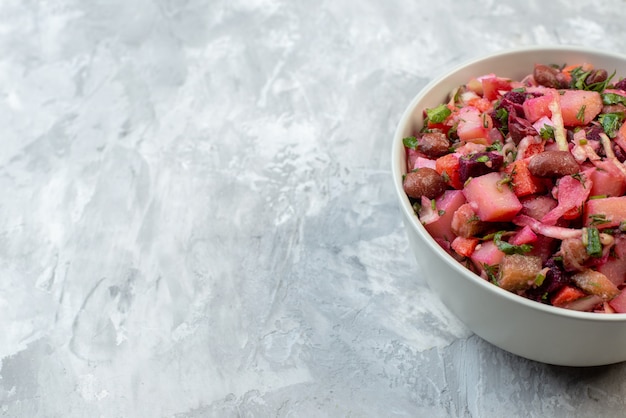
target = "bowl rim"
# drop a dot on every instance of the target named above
(398, 171)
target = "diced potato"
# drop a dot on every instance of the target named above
(537, 107)
(493, 86)
(491, 199)
(474, 126)
(579, 107)
(605, 213)
(446, 205)
(486, 253)
(606, 181)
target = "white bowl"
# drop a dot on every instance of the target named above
(521, 326)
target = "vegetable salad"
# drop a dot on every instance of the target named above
(524, 182)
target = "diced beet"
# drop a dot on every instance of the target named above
(621, 85)
(512, 101)
(593, 132)
(619, 153)
(520, 128)
(491, 199)
(514, 97)
(476, 165)
(555, 279)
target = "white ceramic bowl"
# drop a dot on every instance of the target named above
(527, 328)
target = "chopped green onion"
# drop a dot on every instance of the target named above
(594, 247)
(539, 279)
(581, 113)
(598, 218)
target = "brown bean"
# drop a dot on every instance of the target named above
(553, 164)
(596, 76)
(562, 80)
(614, 108)
(434, 144)
(546, 76)
(424, 182)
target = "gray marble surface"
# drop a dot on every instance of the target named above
(197, 216)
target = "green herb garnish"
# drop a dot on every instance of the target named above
(611, 123)
(438, 114)
(496, 146)
(410, 142)
(547, 132)
(507, 248)
(417, 207)
(612, 98)
(492, 272)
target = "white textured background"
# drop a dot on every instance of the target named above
(197, 216)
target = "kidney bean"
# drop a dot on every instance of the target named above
(596, 76)
(434, 144)
(614, 108)
(553, 164)
(563, 81)
(424, 182)
(546, 76)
